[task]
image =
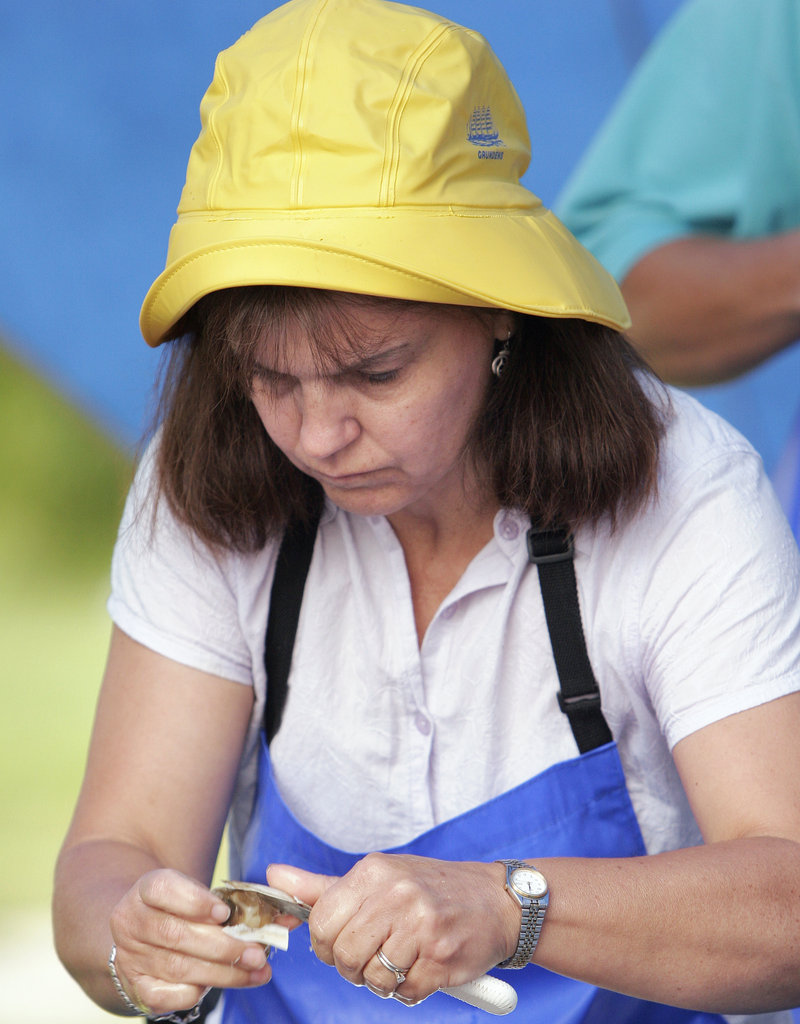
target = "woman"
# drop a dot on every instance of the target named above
(397, 382)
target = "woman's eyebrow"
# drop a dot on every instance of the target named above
(376, 358)
(260, 370)
(360, 364)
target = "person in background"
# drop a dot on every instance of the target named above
(690, 196)
(486, 642)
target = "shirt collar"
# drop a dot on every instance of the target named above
(510, 530)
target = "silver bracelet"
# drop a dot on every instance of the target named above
(185, 1017)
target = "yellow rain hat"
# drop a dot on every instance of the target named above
(371, 147)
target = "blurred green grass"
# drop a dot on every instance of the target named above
(62, 487)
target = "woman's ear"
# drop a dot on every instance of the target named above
(504, 324)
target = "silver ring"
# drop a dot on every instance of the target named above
(399, 972)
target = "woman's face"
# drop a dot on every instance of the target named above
(382, 430)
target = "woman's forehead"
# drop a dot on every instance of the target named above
(343, 330)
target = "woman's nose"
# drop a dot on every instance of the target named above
(327, 423)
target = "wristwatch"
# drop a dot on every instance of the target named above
(529, 888)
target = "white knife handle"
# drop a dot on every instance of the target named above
(487, 993)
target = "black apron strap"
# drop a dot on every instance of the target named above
(551, 551)
(291, 570)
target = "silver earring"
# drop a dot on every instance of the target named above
(500, 360)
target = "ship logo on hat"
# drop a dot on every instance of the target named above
(481, 132)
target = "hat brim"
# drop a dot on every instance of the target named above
(528, 263)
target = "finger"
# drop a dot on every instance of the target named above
(346, 933)
(201, 975)
(387, 970)
(206, 955)
(358, 912)
(159, 978)
(381, 993)
(405, 1000)
(153, 998)
(168, 949)
(303, 885)
(177, 894)
(327, 917)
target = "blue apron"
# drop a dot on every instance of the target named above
(577, 808)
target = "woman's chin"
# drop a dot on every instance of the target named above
(367, 501)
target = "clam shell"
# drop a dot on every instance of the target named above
(252, 914)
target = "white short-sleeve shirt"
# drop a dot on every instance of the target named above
(691, 613)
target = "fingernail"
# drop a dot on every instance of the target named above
(402, 999)
(381, 993)
(220, 912)
(258, 977)
(253, 959)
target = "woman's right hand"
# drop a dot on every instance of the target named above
(171, 948)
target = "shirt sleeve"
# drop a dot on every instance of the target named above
(171, 593)
(674, 156)
(719, 593)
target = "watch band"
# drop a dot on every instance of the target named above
(533, 912)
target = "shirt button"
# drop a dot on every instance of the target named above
(509, 528)
(422, 723)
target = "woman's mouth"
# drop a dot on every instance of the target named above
(359, 478)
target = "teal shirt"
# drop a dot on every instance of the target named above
(705, 138)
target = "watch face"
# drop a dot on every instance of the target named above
(529, 882)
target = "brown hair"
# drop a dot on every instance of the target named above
(567, 434)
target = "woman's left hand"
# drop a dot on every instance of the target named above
(442, 923)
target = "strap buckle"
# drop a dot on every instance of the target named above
(580, 704)
(548, 546)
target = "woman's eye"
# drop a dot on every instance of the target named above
(382, 377)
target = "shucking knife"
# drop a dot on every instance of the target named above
(253, 908)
